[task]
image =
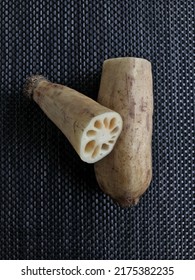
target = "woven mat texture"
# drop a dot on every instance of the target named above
(50, 204)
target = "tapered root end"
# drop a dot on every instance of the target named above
(31, 83)
(122, 201)
(126, 202)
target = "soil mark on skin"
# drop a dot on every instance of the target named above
(129, 83)
(143, 106)
(148, 122)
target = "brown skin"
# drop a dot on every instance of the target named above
(126, 87)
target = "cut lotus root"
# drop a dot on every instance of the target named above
(91, 128)
(100, 136)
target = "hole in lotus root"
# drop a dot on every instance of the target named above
(96, 151)
(91, 133)
(115, 130)
(90, 146)
(106, 122)
(105, 147)
(112, 123)
(98, 124)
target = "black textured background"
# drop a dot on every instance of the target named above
(50, 203)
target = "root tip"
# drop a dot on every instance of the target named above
(31, 83)
(126, 202)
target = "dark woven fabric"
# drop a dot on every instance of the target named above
(50, 203)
